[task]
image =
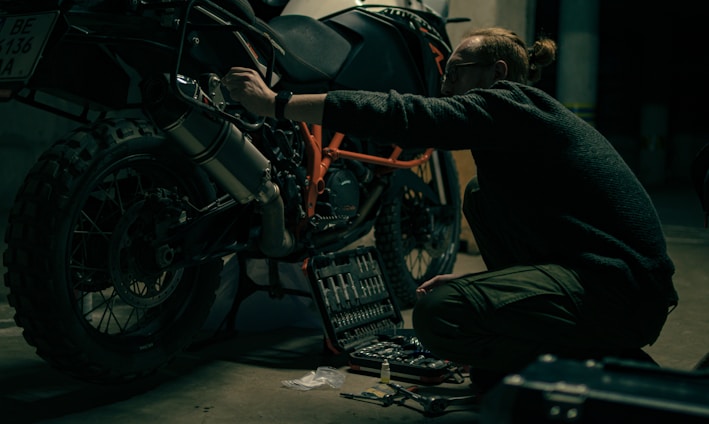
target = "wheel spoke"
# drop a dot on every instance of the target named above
(116, 317)
(418, 261)
(421, 231)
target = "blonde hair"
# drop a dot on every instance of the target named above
(524, 64)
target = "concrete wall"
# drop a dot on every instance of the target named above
(517, 15)
(24, 133)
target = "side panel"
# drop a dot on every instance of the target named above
(319, 8)
(381, 58)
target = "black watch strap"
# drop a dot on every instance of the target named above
(282, 99)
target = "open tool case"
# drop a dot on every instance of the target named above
(362, 319)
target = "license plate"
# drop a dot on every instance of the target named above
(22, 40)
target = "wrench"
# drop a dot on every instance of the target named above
(432, 405)
(386, 400)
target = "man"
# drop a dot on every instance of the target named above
(576, 257)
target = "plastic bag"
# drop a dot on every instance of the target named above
(318, 378)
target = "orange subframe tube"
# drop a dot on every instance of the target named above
(319, 159)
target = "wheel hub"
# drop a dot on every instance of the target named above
(137, 269)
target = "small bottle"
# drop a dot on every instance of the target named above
(385, 374)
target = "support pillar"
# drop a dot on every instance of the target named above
(578, 57)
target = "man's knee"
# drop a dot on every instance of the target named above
(444, 316)
(425, 312)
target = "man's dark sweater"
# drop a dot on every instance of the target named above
(579, 203)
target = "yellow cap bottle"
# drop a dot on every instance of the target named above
(385, 374)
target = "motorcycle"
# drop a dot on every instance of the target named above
(116, 239)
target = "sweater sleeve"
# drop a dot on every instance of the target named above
(499, 118)
(408, 120)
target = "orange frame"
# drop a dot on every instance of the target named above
(319, 158)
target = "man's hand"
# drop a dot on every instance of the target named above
(246, 86)
(429, 285)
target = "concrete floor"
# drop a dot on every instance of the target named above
(239, 379)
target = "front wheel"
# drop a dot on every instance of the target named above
(89, 287)
(418, 228)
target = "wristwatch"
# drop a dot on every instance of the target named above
(282, 99)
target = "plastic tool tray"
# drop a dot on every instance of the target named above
(361, 318)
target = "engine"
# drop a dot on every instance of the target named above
(340, 200)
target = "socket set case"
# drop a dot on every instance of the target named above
(362, 319)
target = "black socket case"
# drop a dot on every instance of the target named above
(362, 319)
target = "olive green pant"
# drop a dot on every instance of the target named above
(504, 318)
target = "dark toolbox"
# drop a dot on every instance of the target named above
(553, 390)
(362, 319)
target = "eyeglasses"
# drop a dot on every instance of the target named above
(451, 72)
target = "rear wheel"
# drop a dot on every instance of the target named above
(418, 229)
(94, 295)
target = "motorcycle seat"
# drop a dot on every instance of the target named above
(313, 52)
(242, 9)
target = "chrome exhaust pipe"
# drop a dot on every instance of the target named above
(234, 162)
